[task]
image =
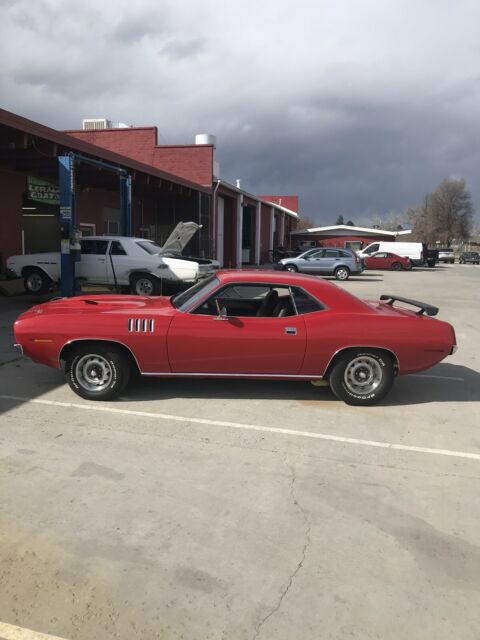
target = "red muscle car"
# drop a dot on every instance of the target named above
(238, 324)
(386, 260)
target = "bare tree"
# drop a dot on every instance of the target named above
(305, 223)
(340, 220)
(391, 221)
(446, 214)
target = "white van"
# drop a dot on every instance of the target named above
(412, 250)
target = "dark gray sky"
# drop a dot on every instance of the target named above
(359, 107)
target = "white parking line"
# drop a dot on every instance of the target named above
(429, 375)
(12, 632)
(248, 427)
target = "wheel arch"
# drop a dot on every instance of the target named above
(33, 267)
(338, 354)
(69, 346)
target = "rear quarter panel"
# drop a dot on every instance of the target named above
(418, 342)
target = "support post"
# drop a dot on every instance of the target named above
(66, 182)
(239, 230)
(126, 203)
(258, 231)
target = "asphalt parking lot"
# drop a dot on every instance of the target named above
(247, 510)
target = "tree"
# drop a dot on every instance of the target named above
(445, 215)
(350, 224)
(391, 221)
(305, 223)
(340, 220)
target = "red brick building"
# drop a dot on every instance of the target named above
(169, 184)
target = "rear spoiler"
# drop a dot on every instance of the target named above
(429, 309)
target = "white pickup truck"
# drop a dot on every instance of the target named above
(136, 263)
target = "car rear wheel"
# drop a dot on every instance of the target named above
(97, 371)
(396, 266)
(291, 267)
(36, 282)
(342, 273)
(362, 376)
(145, 285)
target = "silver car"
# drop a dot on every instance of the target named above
(340, 263)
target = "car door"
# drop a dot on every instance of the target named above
(93, 262)
(120, 262)
(201, 342)
(330, 260)
(309, 262)
(382, 260)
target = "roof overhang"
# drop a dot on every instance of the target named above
(346, 230)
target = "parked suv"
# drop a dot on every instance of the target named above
(446, 255)
(472, 257)
(329, 261)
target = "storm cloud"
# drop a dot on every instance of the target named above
(358, 107)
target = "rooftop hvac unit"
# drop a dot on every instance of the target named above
(90, 124)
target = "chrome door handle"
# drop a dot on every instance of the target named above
(291, 331)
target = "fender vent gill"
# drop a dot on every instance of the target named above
(141, 325)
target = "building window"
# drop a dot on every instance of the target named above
(355, 245)
(87, 229)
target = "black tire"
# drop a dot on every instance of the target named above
(97, 371)
(342, 273)
(396, 266)
(36, 282)
(431, 263)
(144, 284)
(362, 377)
(291, 267)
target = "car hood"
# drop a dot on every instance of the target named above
(179, 238)
(99, 304)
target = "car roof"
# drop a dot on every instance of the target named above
(325, 291)
(115, 238)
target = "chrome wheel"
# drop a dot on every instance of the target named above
(342, 273)
(144, 287)
(34, 282)
(291, 267)
(93, 372)
(362, 375)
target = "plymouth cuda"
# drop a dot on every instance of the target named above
(238, 324)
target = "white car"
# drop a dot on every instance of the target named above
(137, 263)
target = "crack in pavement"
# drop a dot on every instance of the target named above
(261, 624)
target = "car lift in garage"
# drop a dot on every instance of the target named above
(70, 239)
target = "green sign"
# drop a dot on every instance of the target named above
(42, 191)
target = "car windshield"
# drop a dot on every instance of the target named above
(150, 247)
(182, 301)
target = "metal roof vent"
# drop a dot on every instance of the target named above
(206, 138)
(92, 124)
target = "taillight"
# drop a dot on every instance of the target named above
(357, 259)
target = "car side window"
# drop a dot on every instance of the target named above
(94, 247)
(381, 255)
(304, 302)
(117, 249)
(249, 301)
(373, 248)
(332, 253)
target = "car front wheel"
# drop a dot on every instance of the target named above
(145, 285)
(342, 273)
(291, 267)
(97, 371)
(362, 376)
(36, 282)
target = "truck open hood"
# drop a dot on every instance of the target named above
(180, 237)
